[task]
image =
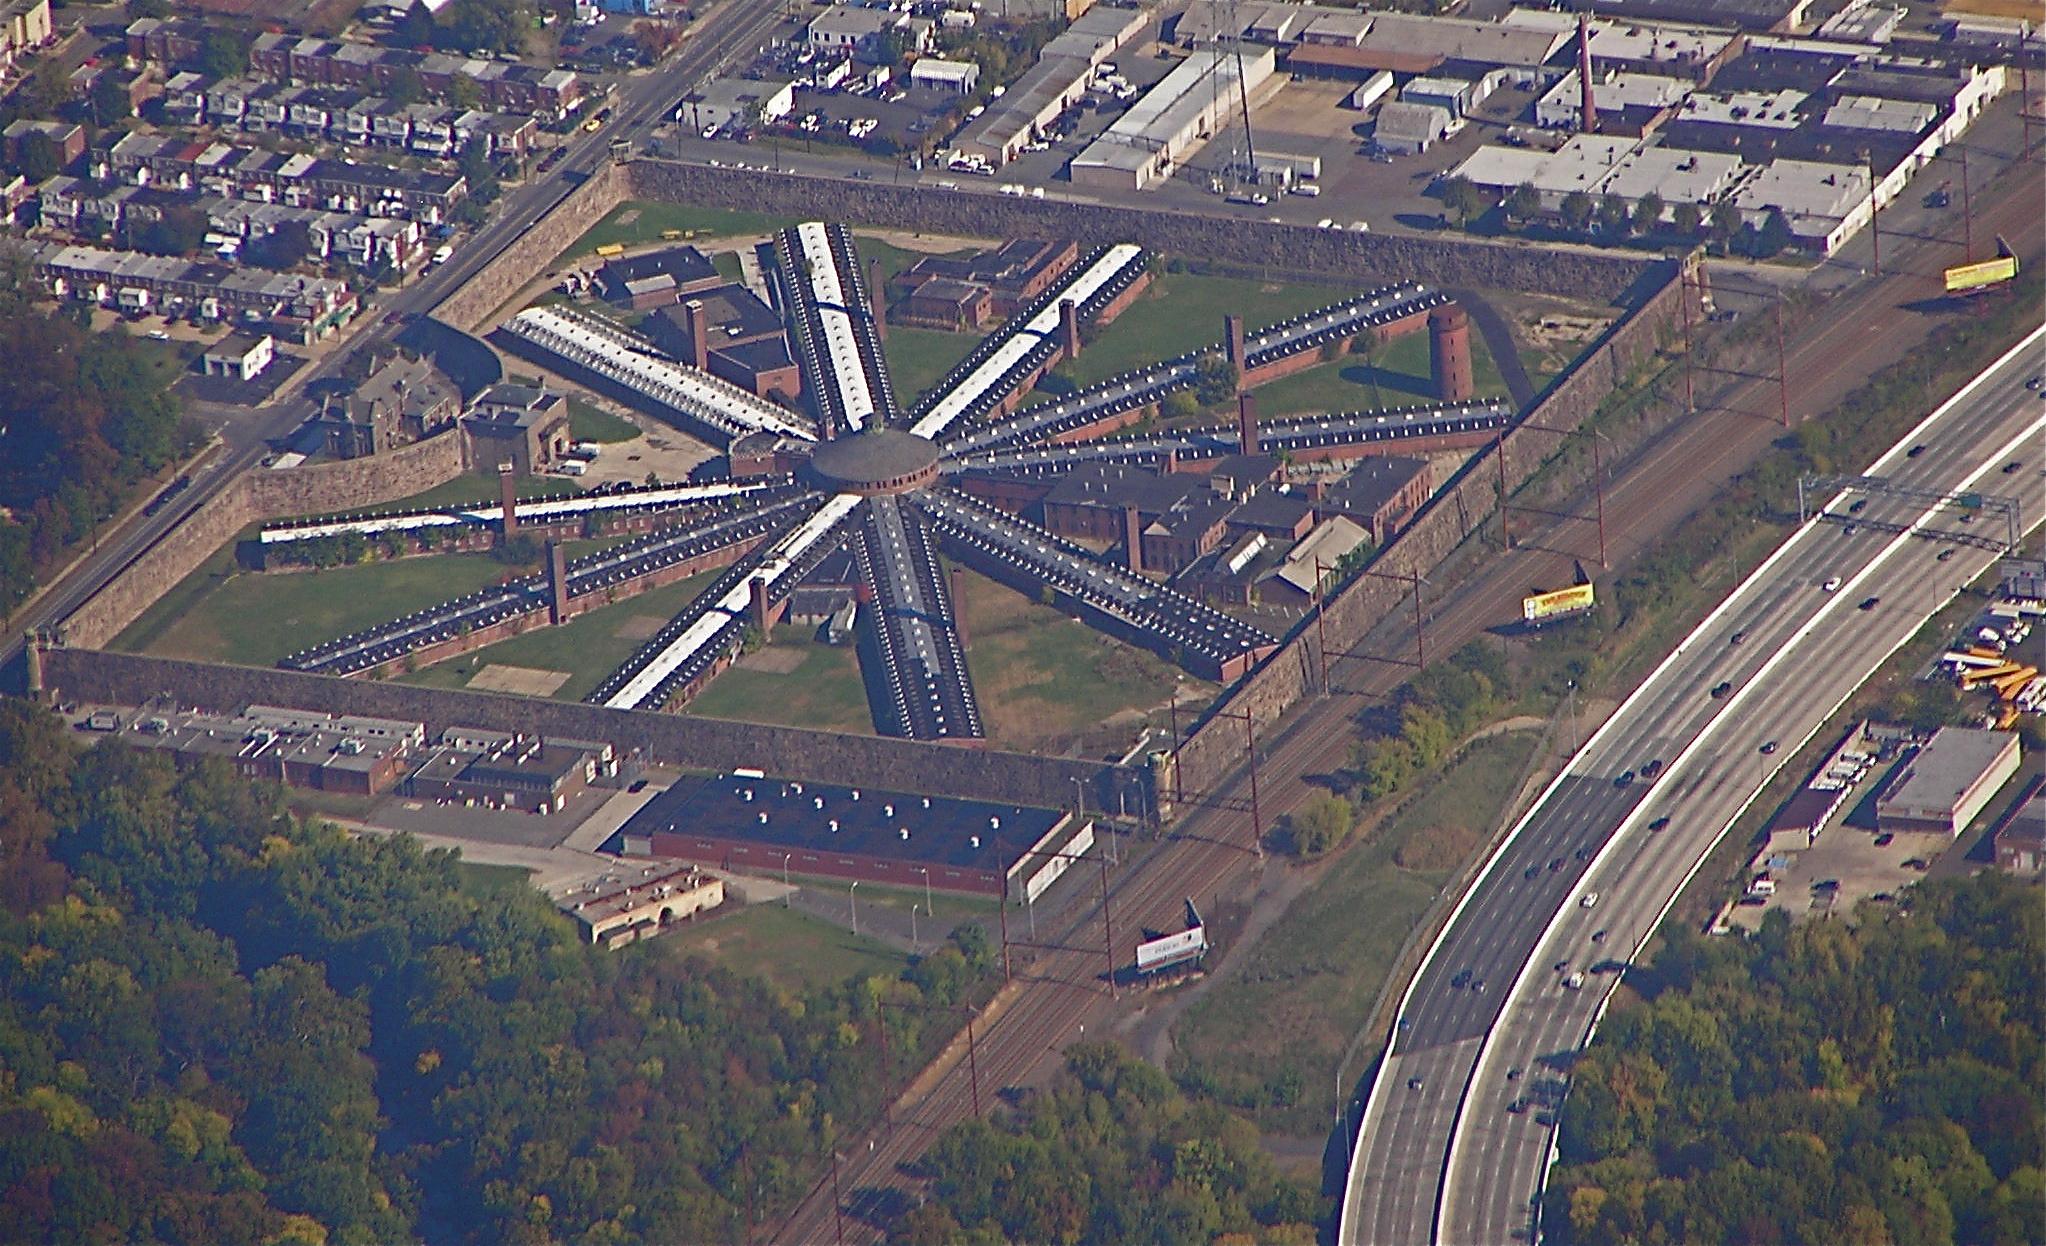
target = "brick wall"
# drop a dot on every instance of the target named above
(701, 743)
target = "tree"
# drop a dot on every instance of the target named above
(39, 157)
(1726, 222)
(287, 246)
(416, 28)
(1774, 235)
(1322, 823)
(1575, 210)
(1613, 217)
(1179, 404)
(1463, 197)
(1648, 213)
(109, 99)
(463, 92)
(1686, 218)
(1524, 202)
(1215, 380)
(224, 54)
(480, 173)
(404, 87)
(177, 230)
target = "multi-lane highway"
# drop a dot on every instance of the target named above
(639, 104)
(1582, 881)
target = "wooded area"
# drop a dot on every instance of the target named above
(82, 418)
(219, 1025)
(1876, 1082)
(1112, 1153)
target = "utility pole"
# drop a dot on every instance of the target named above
(1967, 210)
(1782, 366)
(1690, 398)
(1875, 234)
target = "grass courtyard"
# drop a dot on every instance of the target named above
(792, 949)
(251, 618)
(586, 648)
(1269, 1036)
(792, 681)
(1395, 374)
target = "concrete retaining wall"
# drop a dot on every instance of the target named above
(97, 676)
(1329, 253)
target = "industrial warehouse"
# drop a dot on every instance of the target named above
(776, 827)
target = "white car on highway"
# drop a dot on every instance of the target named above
(1590, 899)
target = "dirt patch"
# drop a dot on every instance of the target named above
(1435, 849)
(628, 216)
(523, 680)
(771, 661)
(640, 627)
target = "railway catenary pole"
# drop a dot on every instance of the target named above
(1257, 824)
(838, 1202)
(1684, 302)
(1875, 233)
(1107, 916)
(1967, 210)
(1782, 366)
(1598, 483)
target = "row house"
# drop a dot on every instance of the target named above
(364, 241)
(362, 68)
(296, 308)
(326, 114)
(277, 177)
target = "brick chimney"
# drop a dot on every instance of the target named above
(1246, 423)
(699, 349)
(1069, 327)
(763, 615)
(1232, 344)
(557, 584)
(1133, 539)
(508, 497)
(1587, 107)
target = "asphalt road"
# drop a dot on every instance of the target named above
(1442, 1157)
(640, 103)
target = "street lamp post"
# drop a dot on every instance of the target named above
(926, 872)
(914, 941)
(854, 893)
(786, 890)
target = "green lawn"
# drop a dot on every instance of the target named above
(589, 422)
(794, 950)
(821, 689)
(141, 635)
(950, 905)
(919, 358)
(1270, 1037)
(728, 265)
(1183, 312)
(654, 219)
(1397, 374)
(488, 881)
(1047, 682)
(588, 647)
(471, 489)
(253, 619)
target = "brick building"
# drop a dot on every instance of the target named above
(1012, 275)
(402, 400)
(656, 278)
(1378, 494)
(727, 331)
(517, 424)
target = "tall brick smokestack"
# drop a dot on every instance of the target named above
(699, 348)
(763, 615)
(1069, 327)
(1587, 106)
(1246, 424)
(1133, 539)
(508, 497)
(557, 584)
(1449, 353)
(1232, 345)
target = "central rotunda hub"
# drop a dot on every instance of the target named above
(882, 460)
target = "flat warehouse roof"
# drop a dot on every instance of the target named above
(813, 817)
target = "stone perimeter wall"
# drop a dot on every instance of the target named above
(97, 676)
(1216, 745)
(1214, 748)
(264, 493)
(1440, 262)
(527, 257)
